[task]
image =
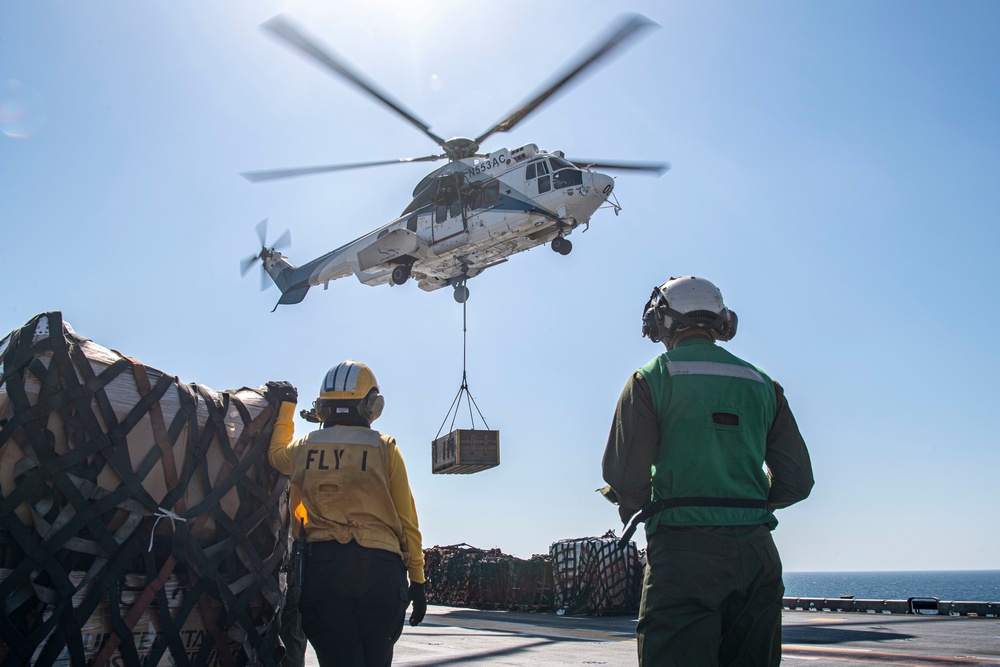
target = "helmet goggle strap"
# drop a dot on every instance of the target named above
(336, 410)
(368, 408)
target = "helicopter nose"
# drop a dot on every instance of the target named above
(603, 184)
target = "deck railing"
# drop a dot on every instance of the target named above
(913, 605)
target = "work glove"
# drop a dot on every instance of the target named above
(283, 392)
(419, 599)
(309, 415)
(609, 494)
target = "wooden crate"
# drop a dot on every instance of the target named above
(465, 451)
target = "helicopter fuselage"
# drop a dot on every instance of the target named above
(465, 217)
(472, 213)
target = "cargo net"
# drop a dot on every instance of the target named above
(140, 522)
(464, 576)
(594, 577)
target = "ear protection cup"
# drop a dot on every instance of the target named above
(727, 331)
(375, 410)
(649, 328)
(371, 406)
(654, 315)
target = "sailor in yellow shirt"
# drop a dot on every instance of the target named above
(362, 536)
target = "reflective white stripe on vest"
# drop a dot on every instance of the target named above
(712, 368)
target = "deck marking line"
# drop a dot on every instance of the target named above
(909, 659)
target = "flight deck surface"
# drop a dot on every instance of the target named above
(458, 636)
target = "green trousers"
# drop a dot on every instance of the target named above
(711, 596)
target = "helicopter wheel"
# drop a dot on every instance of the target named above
(400, 274)
(461, 293)
(562, 245)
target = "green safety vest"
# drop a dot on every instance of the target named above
(714, 411)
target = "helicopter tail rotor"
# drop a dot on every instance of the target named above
(265, 253)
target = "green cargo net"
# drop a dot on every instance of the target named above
(464, 576)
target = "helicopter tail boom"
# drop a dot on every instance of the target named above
(288, 278)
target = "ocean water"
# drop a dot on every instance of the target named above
(967, 585)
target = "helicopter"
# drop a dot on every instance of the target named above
(471, 214)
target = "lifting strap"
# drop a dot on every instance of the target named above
(456, 404)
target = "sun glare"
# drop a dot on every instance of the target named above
(22, 110)
(395, 16)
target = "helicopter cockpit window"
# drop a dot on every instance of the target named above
(411, 224)
(565, 178)
(441, 212)
(529, 172)
(559, 163)
(544, 182)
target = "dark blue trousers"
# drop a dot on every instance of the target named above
(353, 603)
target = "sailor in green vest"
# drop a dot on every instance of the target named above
(703, 448)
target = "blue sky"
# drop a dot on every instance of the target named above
(833, 169)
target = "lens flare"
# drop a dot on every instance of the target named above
(22, 110)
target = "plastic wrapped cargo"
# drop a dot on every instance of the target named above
(140, 522)
(593, 576)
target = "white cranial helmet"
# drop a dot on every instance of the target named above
(686, 303)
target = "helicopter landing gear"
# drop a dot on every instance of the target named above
(561, 245)
(400, 274)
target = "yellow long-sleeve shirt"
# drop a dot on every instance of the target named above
(353, 484)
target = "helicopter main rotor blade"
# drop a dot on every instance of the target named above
(274, 174)
(280, 27)
(631, 25)
(657, 168)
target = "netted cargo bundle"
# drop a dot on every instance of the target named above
(531, 584)
(593, 576)
(464, 576)
(140, 522)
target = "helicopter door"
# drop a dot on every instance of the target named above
(449, 219)
(538, 180)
